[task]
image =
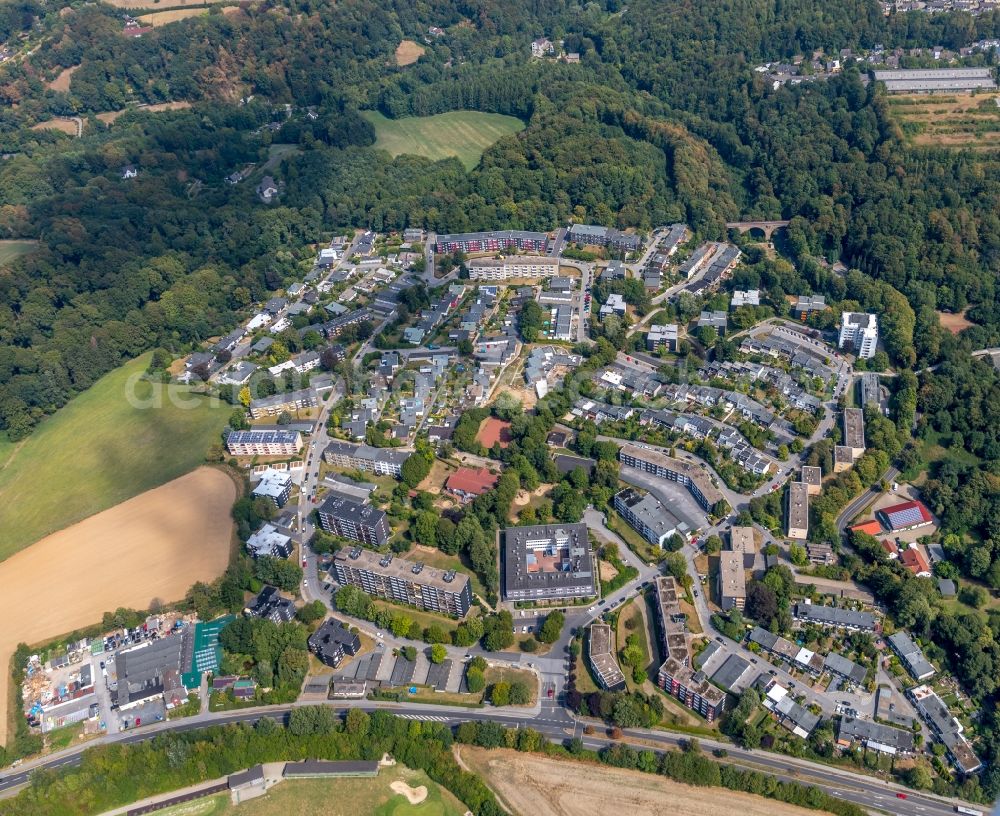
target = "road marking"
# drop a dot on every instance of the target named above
(423, 717)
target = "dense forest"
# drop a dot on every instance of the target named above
(662, 120)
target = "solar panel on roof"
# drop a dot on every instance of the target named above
(911, 515)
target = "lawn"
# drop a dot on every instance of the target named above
(463, 134)
(334, 797)
(100, 450)
(12, 250)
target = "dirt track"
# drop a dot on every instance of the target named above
(154, 546)
(531, 785)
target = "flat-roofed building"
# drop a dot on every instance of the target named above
(698, 483)
(327, 769)
(859, 333)
(492, 241)
(798, 510)
(741, 541)
(870, 390)
(264, 443)
(355, 520)
(812, 478)
(275, 485)
(843, 458)
(677, 675)
(732, 581)
(407, 582)
(648, 517)
(733, 674)
(935, 80)
(289, 401)
(663, 336)
(513, 266)
(547, 561)
(602, 657)
(854, 431)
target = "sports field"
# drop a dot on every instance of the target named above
(536, 785)
(464, 134)
(12, 250)
(101, 449)
(151, 547)
(336, 797)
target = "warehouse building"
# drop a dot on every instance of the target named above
(935, 80)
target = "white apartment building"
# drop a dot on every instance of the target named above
(513, 266)
(860, 330)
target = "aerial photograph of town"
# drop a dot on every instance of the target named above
(491, 408)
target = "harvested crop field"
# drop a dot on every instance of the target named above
(61, 82)
(150, 5)
(954, 322)
(531, 785)
(154, 546)
(962, 120)
(494, 431)
(161, 18)
(408, 52)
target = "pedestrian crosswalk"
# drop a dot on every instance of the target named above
(426, 717)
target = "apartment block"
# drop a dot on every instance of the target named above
(380, 461)
(798, 510)
(859, 333)
(677, 676)
(663, 336)
(402, 581)
(698, 483)
(602, 657)
(264, 443)
(732, 581)
(513, 266)
(854, 431)
(648, 517)
(547, 561)
(352, 519)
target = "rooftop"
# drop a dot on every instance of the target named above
(416, 571)
(547, 556)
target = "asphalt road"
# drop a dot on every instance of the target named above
(557, 725)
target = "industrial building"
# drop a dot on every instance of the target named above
(935, 80)
(546, 562)
(407, 582)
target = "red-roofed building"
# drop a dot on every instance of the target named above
(467, 483)
(906, 516)
(872, 527)
(915, 562)
(890, 549)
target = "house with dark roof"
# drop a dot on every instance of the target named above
(269, 604)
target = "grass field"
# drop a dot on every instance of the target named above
(98, 451)
(963, 120)
(150, 5)
(408, 52)
(464, 134)
(63, 125)
(334, 797)
(12, 250)
(61, 82)
(536, 785)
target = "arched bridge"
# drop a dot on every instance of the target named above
(767, 227)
